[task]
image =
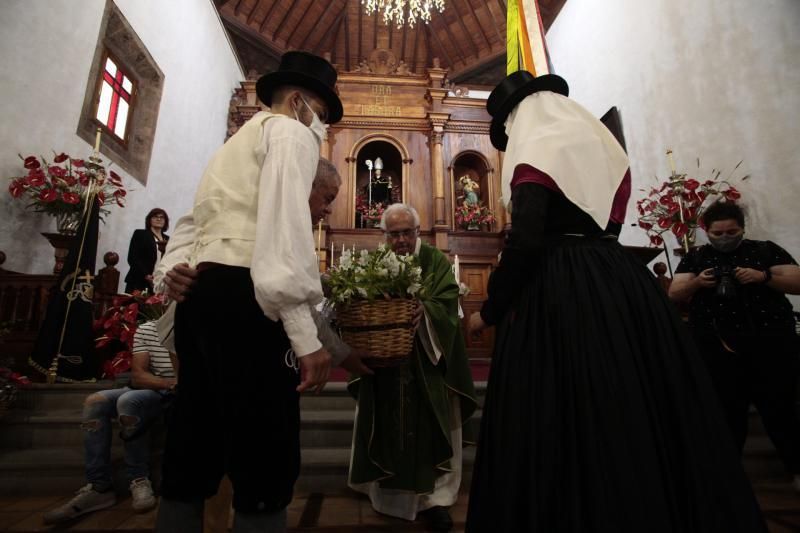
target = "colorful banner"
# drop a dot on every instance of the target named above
(525, 44)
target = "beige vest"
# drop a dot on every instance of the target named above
(226, 203)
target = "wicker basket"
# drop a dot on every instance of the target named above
(382, 328)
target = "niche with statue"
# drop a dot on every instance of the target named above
(379, 182)
(471, 203)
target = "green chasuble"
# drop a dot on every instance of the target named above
(403, 437)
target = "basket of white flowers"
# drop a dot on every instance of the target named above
(374, 294)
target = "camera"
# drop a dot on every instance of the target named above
(726, 281)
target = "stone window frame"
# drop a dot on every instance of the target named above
(107, 54)
(118, 39)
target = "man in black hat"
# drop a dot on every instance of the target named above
(247, 333)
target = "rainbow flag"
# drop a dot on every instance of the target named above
(525, 45)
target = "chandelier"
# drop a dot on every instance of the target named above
(401, 10)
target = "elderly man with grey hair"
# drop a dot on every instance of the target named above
(407, 440)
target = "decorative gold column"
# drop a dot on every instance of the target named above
(438, 122)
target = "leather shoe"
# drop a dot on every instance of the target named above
(437, 518)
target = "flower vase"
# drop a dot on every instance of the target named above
(67, 223)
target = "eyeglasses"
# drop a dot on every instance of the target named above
(407, 233)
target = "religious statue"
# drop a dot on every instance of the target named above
(470, 188)
(402, 69)
(363, 66)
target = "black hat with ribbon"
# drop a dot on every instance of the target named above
(309, 72)
(510, 92)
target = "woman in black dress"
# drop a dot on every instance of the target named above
(599, 414)
(146, 248)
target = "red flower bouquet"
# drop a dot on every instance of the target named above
(473, 216)
(59, 188)
(678, 204)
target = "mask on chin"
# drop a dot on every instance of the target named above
(726, 243)
(316, 126)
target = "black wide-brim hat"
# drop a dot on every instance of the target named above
(307, 71)
(510, 92)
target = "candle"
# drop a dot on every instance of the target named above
(97, 142)
(340, 257)
(456, 269)
(330, 259)
(319, 236)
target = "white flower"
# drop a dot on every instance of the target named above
(414, 288)
(362, 292)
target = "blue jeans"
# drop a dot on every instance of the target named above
(135, 410)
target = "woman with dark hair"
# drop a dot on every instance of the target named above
(599, 414)
(147, 246)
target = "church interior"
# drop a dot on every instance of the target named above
(697, 89)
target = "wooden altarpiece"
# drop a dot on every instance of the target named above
(427, 136)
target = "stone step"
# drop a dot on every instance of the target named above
(59, 429)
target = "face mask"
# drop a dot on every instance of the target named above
(316, 126)
(726, 243)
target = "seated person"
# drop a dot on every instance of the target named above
(136, 407)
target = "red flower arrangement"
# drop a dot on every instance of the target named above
(118, 325)
(370, 214)
(473, 216)
(59, 189)
(677, 205)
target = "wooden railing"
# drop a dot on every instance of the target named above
(23, 303)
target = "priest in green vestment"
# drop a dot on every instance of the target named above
(407, 441)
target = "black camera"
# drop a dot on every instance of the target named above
(725, 276)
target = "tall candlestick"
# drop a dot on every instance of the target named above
(671, 162)
(330, 259)
(97, 141)
(319, 236)
(456, 270)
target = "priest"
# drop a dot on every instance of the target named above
(407, 441)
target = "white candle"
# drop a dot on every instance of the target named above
(97, 141)
(330, 259)
(319, 236)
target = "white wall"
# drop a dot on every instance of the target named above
(717, 79)
(47, 48)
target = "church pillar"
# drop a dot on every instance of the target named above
(437, 174)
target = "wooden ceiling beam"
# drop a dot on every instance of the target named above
(417, 31)
(346, 37)
(335, 38)
(403, 46)
(268, 15)
(500, 37)
(252, 14)
(283, 20)
(461, 53)
(478, 22)
(360, 32)
(470, 38)
(428, 33)
(324, 14)
(300, 22)
(334, 30)
(375, 33)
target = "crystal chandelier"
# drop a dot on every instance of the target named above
(401, 10)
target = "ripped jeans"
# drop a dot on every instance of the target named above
(135, 410)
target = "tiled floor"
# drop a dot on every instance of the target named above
(343, 512)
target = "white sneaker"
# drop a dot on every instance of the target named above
(142, 493)
(796, 483)
(85, 501)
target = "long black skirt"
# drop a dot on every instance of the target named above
(599, 413)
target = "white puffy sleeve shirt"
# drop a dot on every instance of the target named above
(284, 266)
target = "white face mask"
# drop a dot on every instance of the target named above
(316, 126)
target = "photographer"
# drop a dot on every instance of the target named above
(744, 326)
